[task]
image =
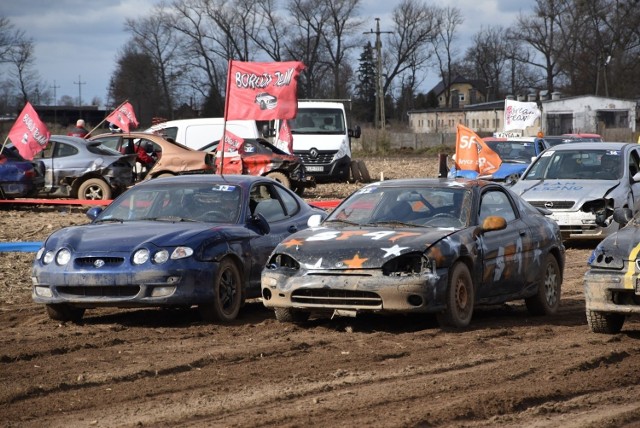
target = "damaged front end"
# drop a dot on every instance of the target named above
(409, 283)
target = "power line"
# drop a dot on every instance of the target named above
(79, 83)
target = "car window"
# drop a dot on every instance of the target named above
(99, 149)
(64, 150)
(47, 153)
(289, 201)
(634, 163)
(263, 199)
(496, 202)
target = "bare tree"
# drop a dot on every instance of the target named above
(273, 31)
(443, 46)
(415, 27)
(154, 36)
(340, 38)
(21, 58)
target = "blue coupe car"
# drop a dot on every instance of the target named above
(19, 177)
(170, 242)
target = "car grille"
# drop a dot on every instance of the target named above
(322, 159)
(557, 205)
(330, 297)
(99, 291)
(90, 261)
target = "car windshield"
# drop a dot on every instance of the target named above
(213, 203)
(596, 164)
(513, 151)
(413, 206)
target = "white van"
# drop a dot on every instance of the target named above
(197, 133)
(322, 139)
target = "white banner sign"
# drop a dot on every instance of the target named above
(519, 115)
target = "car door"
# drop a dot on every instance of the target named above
(506, 253)
(280, 208)
(46, 157)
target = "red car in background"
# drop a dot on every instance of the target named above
(260, 157)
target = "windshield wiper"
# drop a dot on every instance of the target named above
(394, 223)
(335, 220)
(110, 220)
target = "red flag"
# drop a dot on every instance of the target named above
(472, 153)
(285, 138)
(123, 116)
(262, 90)
(228, 157)
(29, 134)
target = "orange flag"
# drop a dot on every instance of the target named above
(473, 154)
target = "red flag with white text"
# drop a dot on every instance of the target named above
(285, 138)
(473, 154)
(228, 153)
(123, 117)
(29, 134)
(262, 90)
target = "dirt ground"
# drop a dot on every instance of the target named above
(167, 368)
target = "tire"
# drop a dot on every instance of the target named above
(547, 299)
(227, 294)
(64, 312)
(603, 322)
(355, 172)
(460, 298)
(280, 178)
(291, 315)
(94, 189)
(364, 172)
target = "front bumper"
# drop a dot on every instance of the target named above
(370, 292)
(612, 292)
(176, 283)
(581, 225)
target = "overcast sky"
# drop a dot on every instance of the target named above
(77, 41)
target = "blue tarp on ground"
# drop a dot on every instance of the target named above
(22, 247)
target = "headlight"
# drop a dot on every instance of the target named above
(141, 256)
(181, 253)
(409, 264)
(63, 257)
(39, 253)
(161, 256)
(48, 257)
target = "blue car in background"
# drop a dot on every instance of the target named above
(516, 153)
(19, 178)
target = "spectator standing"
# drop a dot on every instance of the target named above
(79, 130)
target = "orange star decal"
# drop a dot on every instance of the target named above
(292, 243)
(355, 262)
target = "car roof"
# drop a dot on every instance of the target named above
(437, 182)
(591, 146)
(235, 179)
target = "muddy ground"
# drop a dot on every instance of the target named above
(167, 368)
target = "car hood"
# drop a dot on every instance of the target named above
(129, 235)
(533, 190)
(617, 247)
(357, 247)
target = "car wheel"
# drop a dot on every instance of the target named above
(280, 178)
(460, 298)
(603, 322)
(291, 315)
(227, 294)
(64, 312)
(364, 172)
(547, 299)
(94, 189)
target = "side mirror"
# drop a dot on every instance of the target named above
(636, 177)
(356, 132)
(94, 212)
(493, 222)
(314, 220)
(261, 223)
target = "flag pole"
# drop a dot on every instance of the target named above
(224, 119)
(4, 144)
(103, 120)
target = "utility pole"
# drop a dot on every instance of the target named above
(55, 103)
(380, 115)
(79, 83)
